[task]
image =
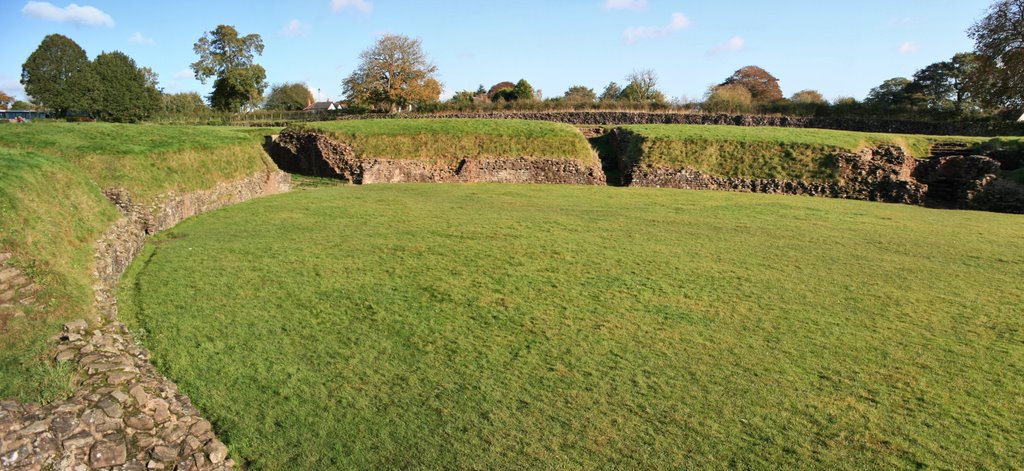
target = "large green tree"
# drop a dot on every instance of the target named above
(393, 75)
(223, 54)
(946, 86)
(893, 93)
(289, 96)
(58, 75)
(999, 43)
(124, 92)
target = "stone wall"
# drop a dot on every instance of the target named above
(586, 118)
(316, 154)
(886, 174)
(875, 175)
(123, 414)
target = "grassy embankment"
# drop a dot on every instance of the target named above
(488, 326)
(447, 141)
(764, 152)
(52, 210)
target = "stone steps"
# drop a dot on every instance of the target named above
(950, 149)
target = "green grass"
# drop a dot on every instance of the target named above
(52, 211)
(147, 160)
(519, 327)
(766, 152)
(450, 140)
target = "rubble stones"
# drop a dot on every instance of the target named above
(123, 414)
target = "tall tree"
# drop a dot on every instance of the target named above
(999, 41)
(642, 86)
(611, 92)
(124, 92)
(289, 96)
(230, 58)
(946, 86)
(763, 86)
(58, 75)
(393, 74)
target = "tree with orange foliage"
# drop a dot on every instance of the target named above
(763, 87)
(393, 75)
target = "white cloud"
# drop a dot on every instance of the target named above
(358, 5)
(296, 28)
(634, 34)
(909, 47)
(138, 38)
(734, 44)
(183, 74)
(638, 5)
(74, 14)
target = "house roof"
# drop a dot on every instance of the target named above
(321, 106)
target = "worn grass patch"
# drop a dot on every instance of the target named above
(487, 326)
(766, 152)
(450, 140)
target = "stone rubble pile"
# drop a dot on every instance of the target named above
(123, 415)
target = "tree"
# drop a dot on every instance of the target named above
(393, 74)
(22, 105)
(729, 98)
(495, 92)
(642, 87)
(5, 101)
(580, 94)
(124, 93)
(763, 86)
(810, 97)
(289, 96)
(183, 103)
(523, 91)
(999, 41)
(223, 54)
(946, 86)
(464, 97)
(58, 75)
(611, 92)
(893, 93)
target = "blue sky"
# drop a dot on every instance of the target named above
(842, 48)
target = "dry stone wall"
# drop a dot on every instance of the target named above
(123, 414)
(314, 153)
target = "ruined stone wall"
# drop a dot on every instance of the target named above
(316, 154)
(123, 414)
(876, 175)
(586, 118)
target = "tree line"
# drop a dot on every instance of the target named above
(395, 75)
